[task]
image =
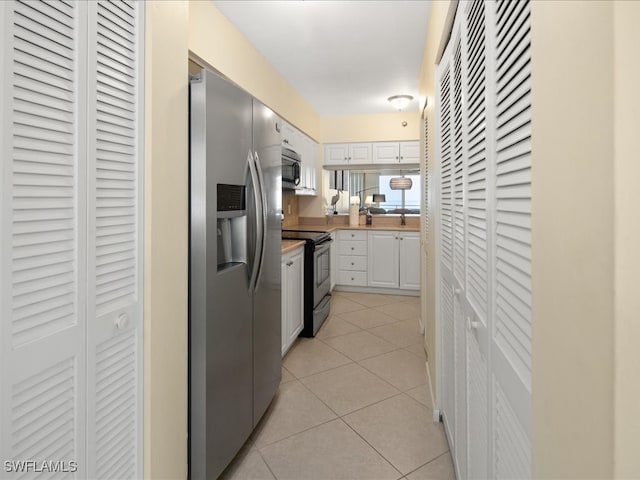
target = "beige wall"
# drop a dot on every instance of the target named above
(572, 190)
(370, 128)
(435, 28)
(165, 256)
(215, 42)
(627, 242)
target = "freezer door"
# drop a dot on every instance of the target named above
(221, 358)
(267, 324)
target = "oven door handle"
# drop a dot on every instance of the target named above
(323, 246)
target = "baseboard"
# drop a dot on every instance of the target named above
(387, 291)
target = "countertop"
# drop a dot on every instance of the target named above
(289, 245)
(333, 228)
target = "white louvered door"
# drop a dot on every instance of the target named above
(43, 397)
(70, 245)
(511, 263)
(477, 247)
(114, 248)
(445, 282)
(484, 212)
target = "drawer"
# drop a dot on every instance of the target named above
(352, 278)
(352, 247)
(352, 262)
(359, 235)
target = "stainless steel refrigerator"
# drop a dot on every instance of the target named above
(235, 245)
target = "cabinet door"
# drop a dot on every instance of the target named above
(386, 152)
(383, 259)
(359, 153)
(333, 259)
(285, 303)
(296, 312)
(292, 297)
(410, 152)
(336, 154)
(409, 260)
(289, 137)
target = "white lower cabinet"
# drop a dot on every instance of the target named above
(352, 258)
(377, 258)
(292, 297)
(383, 259)
(333, 259)
(393, 259)
(409, 260)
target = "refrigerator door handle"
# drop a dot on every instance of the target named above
(262, 234)
(257, 197)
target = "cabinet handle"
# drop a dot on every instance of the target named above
(401, 158)
(396, 157)
(351, 248)
(396, 238)
(349, 158)
(401, 238)
(352, 263)
(352, 279)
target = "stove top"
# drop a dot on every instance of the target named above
(315, 237)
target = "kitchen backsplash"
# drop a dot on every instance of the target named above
(290, 209)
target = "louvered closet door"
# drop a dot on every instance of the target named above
(477, 246)
(42, 267)
(425, 205)
(459, 267)
(511, 333)
(445, 280)
(115, 244)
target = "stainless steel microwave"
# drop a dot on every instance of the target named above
(290, 169)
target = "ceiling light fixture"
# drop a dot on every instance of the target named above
(400, 101)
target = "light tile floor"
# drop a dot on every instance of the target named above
(353, 402)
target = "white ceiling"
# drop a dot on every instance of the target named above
(343, 57)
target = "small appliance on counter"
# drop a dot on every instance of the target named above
(317, 277)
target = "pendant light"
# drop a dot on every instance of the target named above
(400, 183)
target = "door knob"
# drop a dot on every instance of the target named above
(472, 324)
(122, 321)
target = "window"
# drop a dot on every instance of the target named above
(404, 199)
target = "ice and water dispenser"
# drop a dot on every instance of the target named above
(232, 225)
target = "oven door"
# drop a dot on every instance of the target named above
(322, 271)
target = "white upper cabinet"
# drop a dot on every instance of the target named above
(410, 152)
(382, 153)
(342, 154)
(290, 137)
(396, 152)
(359, 153)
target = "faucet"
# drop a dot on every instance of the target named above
(403, 221)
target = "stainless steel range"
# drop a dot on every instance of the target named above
(317, 277)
